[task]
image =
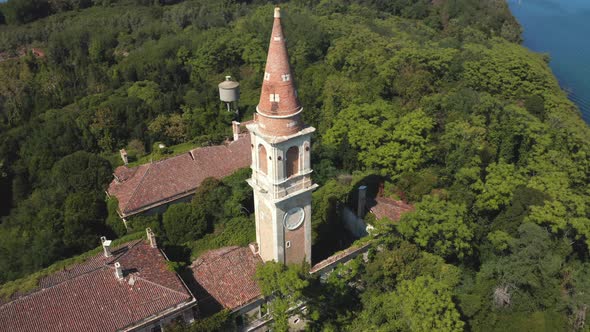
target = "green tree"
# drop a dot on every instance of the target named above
(236, 195)
(221, 321)
(507, 69)
(147, 91)
(327, 201)
(81, 172)
(576, 279)
(528, 275)
(113, 220)
(207, 121)
(523, 199)
(169, 128)
(84, 215)
(331, 301)
(182, 223)
(536, 106)
(422, 304)
(406, 262)
(284, 286)
(210, 195)
(20, 12)
(500, 240)
(439, 227)
(462, 143)
(496, 192)
(427, 305)
(385, 139)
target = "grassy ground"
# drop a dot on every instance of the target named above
(157, 154)
(239, 231)
(167, 152)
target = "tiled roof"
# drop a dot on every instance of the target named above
(88, 296)
(149, 185)
(278, 78)
(227, 274)
(390, 208)
(279, 104)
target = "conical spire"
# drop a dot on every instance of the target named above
(279, 107)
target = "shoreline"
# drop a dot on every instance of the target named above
(553, 28)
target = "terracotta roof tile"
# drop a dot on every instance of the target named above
(390, 208)
(227, 274)
(88, 296)
(279, 105)
(149, 185)
(277, 76)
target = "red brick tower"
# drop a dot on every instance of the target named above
(281, 168)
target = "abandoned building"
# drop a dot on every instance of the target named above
(127, 288)
(153, 186)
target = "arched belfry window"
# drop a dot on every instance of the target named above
(306, 156)
(262, 164)
(292, 161)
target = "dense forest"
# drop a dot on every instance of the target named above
(436, 99)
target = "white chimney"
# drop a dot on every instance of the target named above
(362, 201)
(254, 248)
(118, 271)
(123, 153)
(151, 237)
(235, 126)
(106, 246)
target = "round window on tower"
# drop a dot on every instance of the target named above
(294, 218)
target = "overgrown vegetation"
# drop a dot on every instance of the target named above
(220, 321)
(220, 214)
(435, 98)
(283, 288)
(31, 281)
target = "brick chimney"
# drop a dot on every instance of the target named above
(118, 271)
(151, 237)
(362, 201)
(106, 246)
(123, 153)
(235, 126)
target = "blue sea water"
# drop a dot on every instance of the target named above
(562, 29)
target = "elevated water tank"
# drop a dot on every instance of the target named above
(229, 91)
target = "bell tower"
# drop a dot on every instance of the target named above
(281, 168)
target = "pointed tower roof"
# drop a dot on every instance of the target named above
(279, 106)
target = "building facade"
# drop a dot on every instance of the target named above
(281, 168)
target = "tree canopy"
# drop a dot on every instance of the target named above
(434, 99)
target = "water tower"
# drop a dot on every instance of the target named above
(229, 93)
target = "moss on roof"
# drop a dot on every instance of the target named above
(31, 282)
